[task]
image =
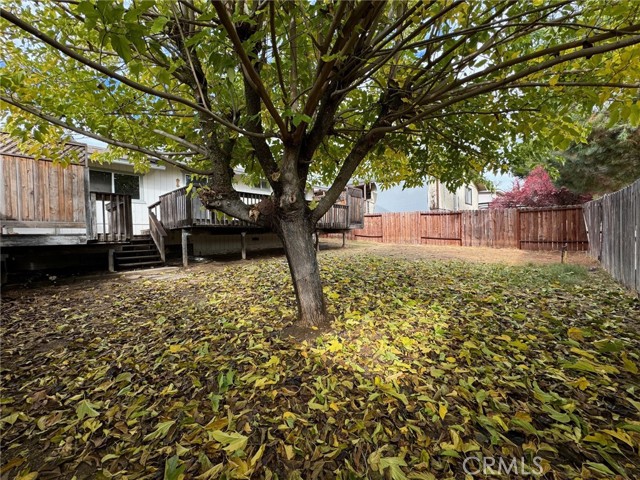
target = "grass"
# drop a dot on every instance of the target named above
(426, 364)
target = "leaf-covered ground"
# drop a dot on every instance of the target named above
(428, 363)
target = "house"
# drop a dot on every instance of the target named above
(441, 199)
(109, 215)
(486, 196)
(432, 196)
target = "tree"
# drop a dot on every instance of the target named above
(305, 92)
(608, 161)
(537, 190)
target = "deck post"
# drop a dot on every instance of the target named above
(112, 266)
(344, 239)
(89, 207)
(185, 249)
(243, 243)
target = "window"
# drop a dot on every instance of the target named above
(468, 196)
(261, 183)
(120, 183)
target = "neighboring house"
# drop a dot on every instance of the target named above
(486, 196)
(433, 196)
(55, 215)
(442, 199)
(370, 195)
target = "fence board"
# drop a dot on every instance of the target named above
(530, 229)
(37, 191)
(613, 224)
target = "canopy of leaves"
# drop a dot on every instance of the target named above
(537, 190)
(438, 362)
(453, 85)
(608, 161)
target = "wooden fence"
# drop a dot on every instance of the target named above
(613, 223)
(528, 229)
(39, 193)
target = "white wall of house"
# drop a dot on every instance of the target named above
(442, 199)
(485, 197)
(157, 181)
(154, 183)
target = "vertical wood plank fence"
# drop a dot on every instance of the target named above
(527, 229)
(613, 224)
(37, 193)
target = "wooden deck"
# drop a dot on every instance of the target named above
(179, 209)
(47, 203)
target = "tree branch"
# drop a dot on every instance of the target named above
(274, 47)
(491, 86)
(248, 67)
(362, 147)
(572, 84)
(121, 78)
(129, 146)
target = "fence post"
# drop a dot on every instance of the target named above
(185, 248)
(112, 267)
(518, 242)
(243, 244)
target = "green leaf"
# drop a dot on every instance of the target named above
(600, 467)
(393, 465)
(86, 409)
(298, 118)
(524, 425)
(158, 25)
(161, 430)
(173, 469)
(232, 441)
(120, 44)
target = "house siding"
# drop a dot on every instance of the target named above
(156, 182)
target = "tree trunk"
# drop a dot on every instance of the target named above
(295, 232)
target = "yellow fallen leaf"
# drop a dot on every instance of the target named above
(575, 334)
(620, 435)
(629, 366)
(442, 411)
(523, 416)
(288, 450)
(581, 383)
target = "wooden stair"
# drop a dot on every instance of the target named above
(140, 253)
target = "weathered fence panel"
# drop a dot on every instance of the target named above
(528, 229)
(39, 193)
(441, 228)
(613, 224)
(551, 228)
(497, 228)
(372, 230)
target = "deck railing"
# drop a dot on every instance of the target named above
(156, 230)
(111, 216)
(337, 217)
(179, 209)
(203, 216)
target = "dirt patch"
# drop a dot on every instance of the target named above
(506, 256)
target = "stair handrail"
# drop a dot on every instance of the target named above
(156, 230)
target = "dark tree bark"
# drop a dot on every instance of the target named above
(295, 230)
